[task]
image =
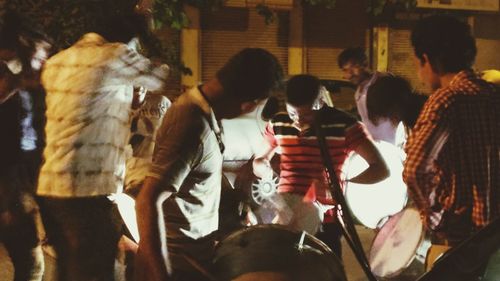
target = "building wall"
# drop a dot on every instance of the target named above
(487, 32)
(308, 40)
(228, 30)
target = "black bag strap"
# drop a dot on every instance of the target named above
(348, 228)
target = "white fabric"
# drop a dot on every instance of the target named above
(188, 161)
(89, 94)
(385, 130)
(299, 214)
(148, 119)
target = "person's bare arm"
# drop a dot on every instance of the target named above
(176, 152)
(377, 169)
(261, 164)
(152, 257)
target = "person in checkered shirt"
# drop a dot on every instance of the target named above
(453, 164)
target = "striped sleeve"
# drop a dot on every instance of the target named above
(269, 135)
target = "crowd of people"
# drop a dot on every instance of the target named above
(92, 120)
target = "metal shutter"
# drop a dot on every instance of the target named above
(327, 32)
(401, 60)
(228, 30)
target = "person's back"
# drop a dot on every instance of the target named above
(90, 95)
(470, 156)
(452, 168)
(89, 90)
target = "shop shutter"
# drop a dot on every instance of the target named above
(327, 32)
(228, 30)
(401, 60)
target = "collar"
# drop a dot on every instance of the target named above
(199, 99)
(467, 74)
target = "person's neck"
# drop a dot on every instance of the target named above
(367, 77)
(213, 92)
(446, 79)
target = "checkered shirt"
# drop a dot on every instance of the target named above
(453, 162)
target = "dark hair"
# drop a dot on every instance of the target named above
(352, 54)
(413, 106)
(302, 89)
(20, 35)
(251, 74)
(447, 42)
(392, 97)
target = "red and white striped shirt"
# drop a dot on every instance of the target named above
(301, 163)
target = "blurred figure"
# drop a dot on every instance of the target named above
(23, 50)
(303, 184)
(179, 201)
(145, 122)
(354, 65)
(144, 125)
(89, 104)
(453, 164)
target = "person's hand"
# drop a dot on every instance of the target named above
(262, 168)
(138, 98)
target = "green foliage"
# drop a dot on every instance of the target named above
(268, 14)
(66, 20)
(330, 4)
(171, 12)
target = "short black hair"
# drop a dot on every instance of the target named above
(251, 74)
(352, 54)
(447, 42)
(302, 90)
(413, 107)
(392, 97)
(386, 98)
(20, 34)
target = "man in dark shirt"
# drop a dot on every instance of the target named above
(453, 164)
(21, 123)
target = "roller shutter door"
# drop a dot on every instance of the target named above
(327, 32)
(228, 30)
(401, 60)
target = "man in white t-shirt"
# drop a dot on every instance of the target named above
(181, 192)
(354, 65)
